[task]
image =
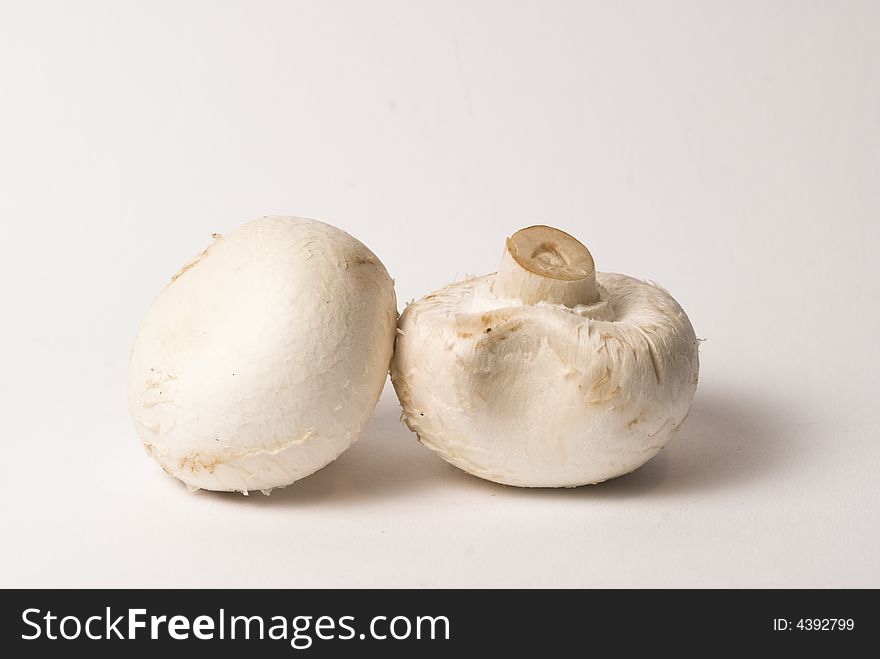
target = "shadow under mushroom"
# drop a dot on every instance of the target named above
(729, 439)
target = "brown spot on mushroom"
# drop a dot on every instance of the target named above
(189, 266)
(195, 463)
(631, 424)
(464, 335)
(605, 398)
(358, 260)
(602, 380)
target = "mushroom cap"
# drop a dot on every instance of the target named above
(264, 357)
(543, 395)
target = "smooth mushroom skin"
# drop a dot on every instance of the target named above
(263, 358)
(546, 395)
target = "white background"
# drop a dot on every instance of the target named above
(730, 151)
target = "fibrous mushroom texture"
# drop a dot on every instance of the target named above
(546, 373)
(264, 357)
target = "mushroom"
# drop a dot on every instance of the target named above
(546, 373)
(262, 359)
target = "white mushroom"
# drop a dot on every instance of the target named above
(264, 357)
(546, 374)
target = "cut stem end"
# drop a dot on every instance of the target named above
(543, 264)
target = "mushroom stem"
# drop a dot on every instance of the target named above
(543, 264)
